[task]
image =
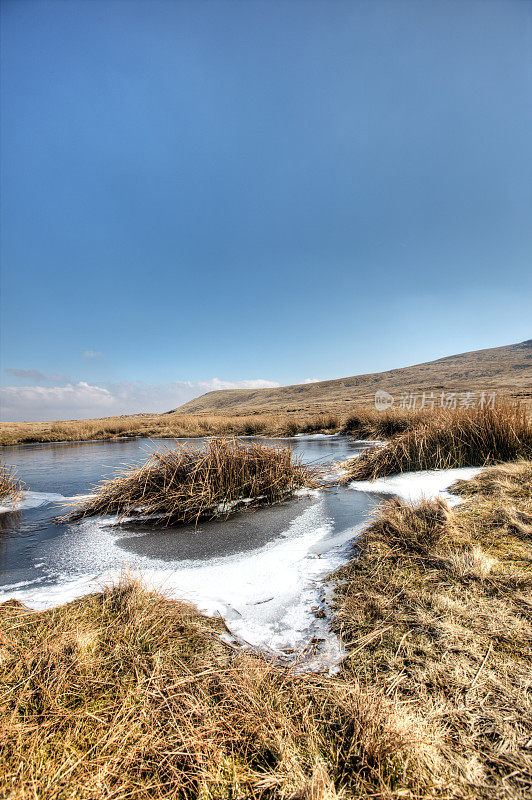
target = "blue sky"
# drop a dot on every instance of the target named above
(254, 193)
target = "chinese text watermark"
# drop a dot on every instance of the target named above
(432, 400)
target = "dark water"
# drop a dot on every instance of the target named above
(36, 552)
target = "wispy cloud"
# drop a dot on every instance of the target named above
(315, 380)
(35, 376)
(92, 354)
(81, 399)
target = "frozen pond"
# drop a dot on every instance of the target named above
(262, 571)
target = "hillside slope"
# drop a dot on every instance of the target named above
(504, 370)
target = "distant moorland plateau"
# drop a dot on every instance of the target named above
(504, 370)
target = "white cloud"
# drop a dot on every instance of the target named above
(314, 380)
(75, 400)
(83, 400)
(92, 354)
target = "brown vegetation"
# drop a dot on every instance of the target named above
(364, 423)
(10, 486)
(185, 484)
(168, 426)
(127, 695)
(436, 609)
(466, 438)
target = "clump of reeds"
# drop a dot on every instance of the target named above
(10, 486)
(184, 484)
(466, 438)
(127, 694)
(435, 607)
(367, 423)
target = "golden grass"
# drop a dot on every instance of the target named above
(125, 694)
(368, 423)
(450, 439)
(169, 426)
(10, 486)
(185, 484)
(436, 609)
(507, 482)
(365, 423)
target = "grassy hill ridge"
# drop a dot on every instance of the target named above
(506, 370)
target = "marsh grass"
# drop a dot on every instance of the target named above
(436, 608)
(10, 486)
(450, 439)
(366, 423)
(184, 484)
(125, 694)
(170, 426)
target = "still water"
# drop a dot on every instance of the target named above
(271, 558)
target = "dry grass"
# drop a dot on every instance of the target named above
(450, 439)
(170, 426)
(124, 694)
(10, 486)
(436, 608)
(365, 423)
(507, 481)
(368, 423)
(185, 484)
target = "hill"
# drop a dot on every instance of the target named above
(505, 370)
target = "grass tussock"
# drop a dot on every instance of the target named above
(10, 486)
(125, 694)
(508, 482)
(185, 484)
(368, 423)
(450, 439)
(436, 608)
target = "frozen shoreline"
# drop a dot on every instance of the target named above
(267, 596)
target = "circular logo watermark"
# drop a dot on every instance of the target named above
(383, 400)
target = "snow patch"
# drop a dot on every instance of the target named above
(415, 486)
